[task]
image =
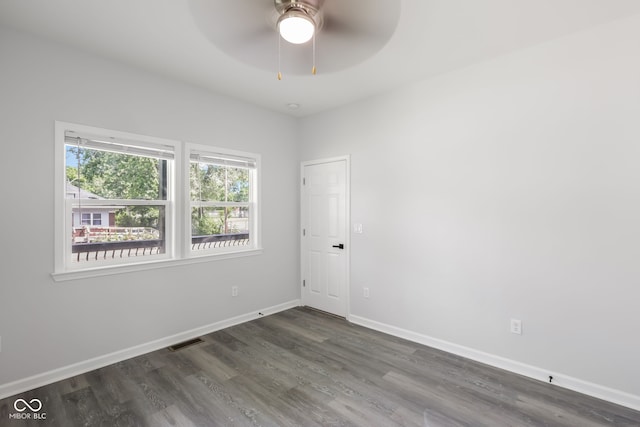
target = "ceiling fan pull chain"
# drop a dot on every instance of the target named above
(279, 57)
(313, 70)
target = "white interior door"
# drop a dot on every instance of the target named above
(325, 245)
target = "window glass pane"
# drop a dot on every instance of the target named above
(211, 182)
(219, 220)
(137, 231)
(130, 223)
(96, 174)
(97, 219)
(219, 227)
(237, 184)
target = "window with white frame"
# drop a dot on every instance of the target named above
(223, 208)
(119, 201)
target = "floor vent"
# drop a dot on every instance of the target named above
(185, 344)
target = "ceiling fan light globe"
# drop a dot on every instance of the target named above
(296, 27)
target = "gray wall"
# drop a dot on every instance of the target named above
(46, 325)
(506, 189)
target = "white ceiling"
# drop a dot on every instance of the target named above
(432, 37)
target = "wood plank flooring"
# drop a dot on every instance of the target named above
(305, 368)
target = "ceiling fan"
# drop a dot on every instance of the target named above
(347, 32)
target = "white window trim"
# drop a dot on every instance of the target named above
(178, 235)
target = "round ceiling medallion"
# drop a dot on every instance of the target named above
(349, 33)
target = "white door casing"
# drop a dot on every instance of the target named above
(325, 222)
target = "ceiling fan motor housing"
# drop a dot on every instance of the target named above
(310, 8)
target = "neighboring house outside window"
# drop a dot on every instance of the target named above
(88, 216)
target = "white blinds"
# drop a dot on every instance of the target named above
(222, 159)
(117, 145)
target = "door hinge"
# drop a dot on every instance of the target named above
(304, 181)
(304, 231)
(304, 283)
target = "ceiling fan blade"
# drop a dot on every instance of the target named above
(365, 17)
(220, 20)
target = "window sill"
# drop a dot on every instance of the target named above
(151, 265)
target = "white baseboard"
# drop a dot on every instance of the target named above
(65, 372)
(559, 379)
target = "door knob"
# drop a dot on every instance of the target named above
(340, 246)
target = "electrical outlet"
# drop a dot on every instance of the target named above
(365, 291)
(234, 291)
(357, 228)
(516, 326)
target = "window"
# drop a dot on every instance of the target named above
(130, 180)
(222, 200)
(88, 218)
(118, 202)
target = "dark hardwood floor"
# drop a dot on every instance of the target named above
(305, 368)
